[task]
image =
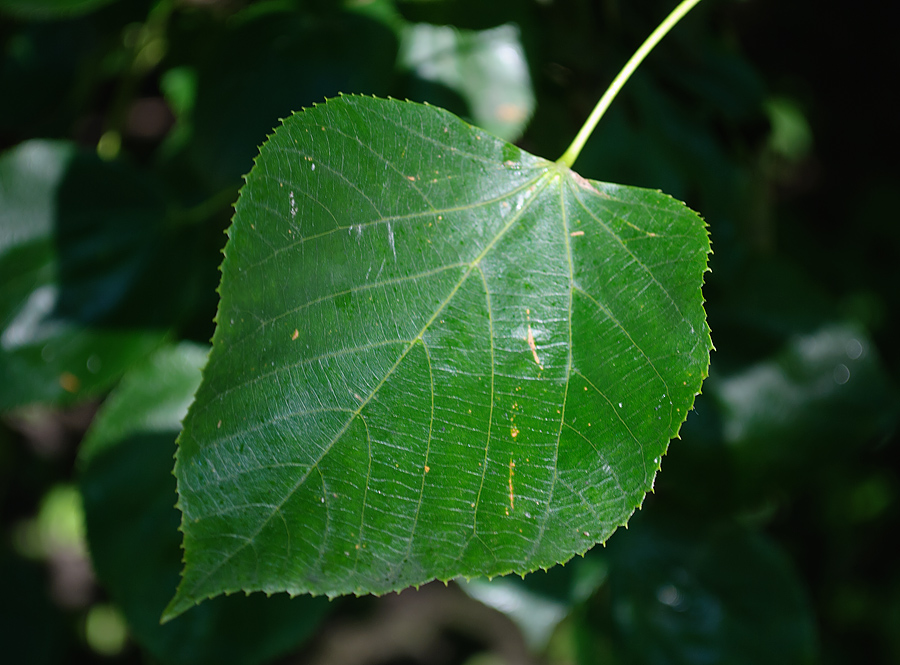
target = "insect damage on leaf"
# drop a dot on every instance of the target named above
(377, 450)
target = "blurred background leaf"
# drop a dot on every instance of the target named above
(50, 8)
(270, 61)
(687, 592)
(51, 350)
(487, 69)
(132, 526)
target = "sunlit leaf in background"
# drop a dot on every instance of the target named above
(487, 68)
(53, 346)
(825, 393)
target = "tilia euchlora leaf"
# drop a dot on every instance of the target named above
(436, 355)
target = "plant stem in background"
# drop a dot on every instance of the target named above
(571, 154)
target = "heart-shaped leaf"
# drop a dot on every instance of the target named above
(436, 355)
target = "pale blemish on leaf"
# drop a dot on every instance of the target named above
(512, 494)
(390, 230)
(586, 184)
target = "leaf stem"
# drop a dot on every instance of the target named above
(571, 154)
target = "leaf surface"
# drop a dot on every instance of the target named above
(128, 491)
(436, 355)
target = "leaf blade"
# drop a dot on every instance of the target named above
(420, 305)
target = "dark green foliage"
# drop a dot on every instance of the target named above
(768, 535)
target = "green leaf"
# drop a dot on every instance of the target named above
(129, 496)
(824, 393)
(436, 355)
(39, 75)
(681, 592)
(67, 254)
(50, 9)
(671, 590)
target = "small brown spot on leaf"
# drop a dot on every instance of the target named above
(533, 347)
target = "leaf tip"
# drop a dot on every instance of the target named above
(176, 607)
